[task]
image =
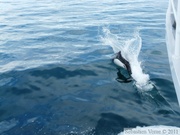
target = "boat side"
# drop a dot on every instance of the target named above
(173, 42)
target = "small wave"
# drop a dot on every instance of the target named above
(7, 125)
(130, 49)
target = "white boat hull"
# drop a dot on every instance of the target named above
(174, 57)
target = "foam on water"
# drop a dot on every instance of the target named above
(152, 130)
(130, 49)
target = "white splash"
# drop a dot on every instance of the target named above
(152, 130)
(130, 49)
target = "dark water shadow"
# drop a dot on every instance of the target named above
(59, 72)
(112, 124)
(19, 91)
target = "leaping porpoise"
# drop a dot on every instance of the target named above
(122, 62)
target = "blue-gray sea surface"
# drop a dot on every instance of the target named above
(57, 77)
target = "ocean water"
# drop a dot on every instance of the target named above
(56, 71)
